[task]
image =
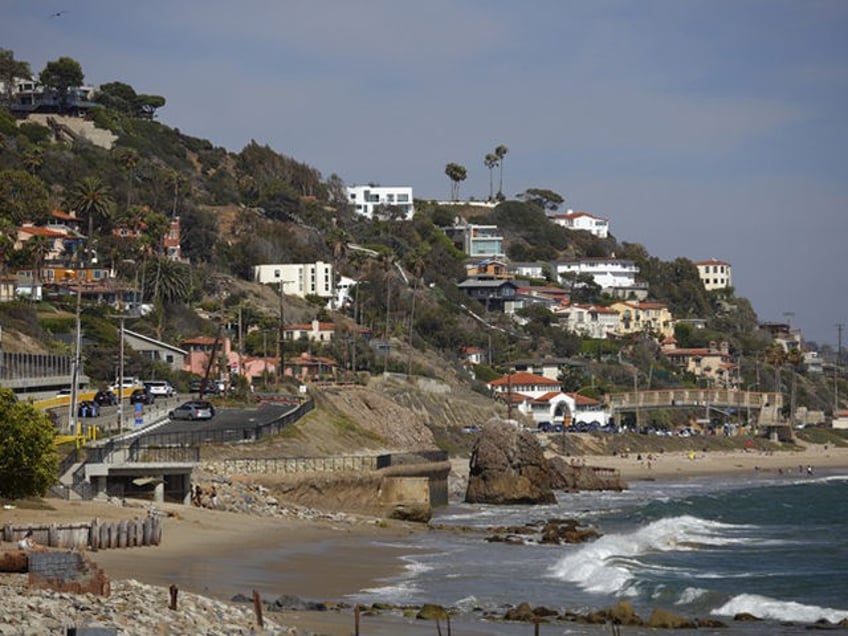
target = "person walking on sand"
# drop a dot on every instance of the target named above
(213, 497)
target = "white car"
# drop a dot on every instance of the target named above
(160, 387)
(129, 385)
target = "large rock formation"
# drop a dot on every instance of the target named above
(574, 478)
(508, 466)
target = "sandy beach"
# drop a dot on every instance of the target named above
(324, 560)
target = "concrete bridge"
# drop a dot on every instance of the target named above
(765, 406)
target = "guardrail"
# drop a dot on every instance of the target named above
(666, 398)
(254, 465)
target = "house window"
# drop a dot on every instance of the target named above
(403, 198)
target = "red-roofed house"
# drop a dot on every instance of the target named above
(473, 355)
(309, 367)
(714, 363)
(715, 274)
(642, 317)
(582, 221)
(315, 331)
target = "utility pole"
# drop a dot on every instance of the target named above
(839, 327)
(281, 351)
(73, 423)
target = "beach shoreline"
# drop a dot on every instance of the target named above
(327, 560)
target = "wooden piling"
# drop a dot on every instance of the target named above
(173, 590)
(257, 608)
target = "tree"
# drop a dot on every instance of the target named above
(456, 173)
(491, 162)
(60, 76)
(10, 70)
(92, 198)
(500, 153)
(27, 454)
(23, 197)
(545, 199)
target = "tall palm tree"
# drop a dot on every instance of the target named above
(91, 197)
(455, 173)
(129, 159)
(500, 153)
(491, 161)
(38, 247)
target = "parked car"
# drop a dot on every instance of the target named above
(88, 408)
(142, 396)
(210, 387)
(105, 397)
(193, 410)
(160, 387)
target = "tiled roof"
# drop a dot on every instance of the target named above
(522, 378)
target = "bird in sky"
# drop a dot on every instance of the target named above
(58, 13)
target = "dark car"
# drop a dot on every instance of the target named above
(193, 410)
(209, 387)
(88, 408)
(142, 396)
(105, 398)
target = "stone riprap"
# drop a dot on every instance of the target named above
(132, 609)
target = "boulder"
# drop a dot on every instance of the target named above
(669, 620)
(508, 467)
(571, 478)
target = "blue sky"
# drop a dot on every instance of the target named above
(698, 128)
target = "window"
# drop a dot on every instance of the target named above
(403, 198)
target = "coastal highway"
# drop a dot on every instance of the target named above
(234, 423)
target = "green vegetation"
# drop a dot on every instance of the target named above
(27, 455)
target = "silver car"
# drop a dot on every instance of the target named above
(193, 410)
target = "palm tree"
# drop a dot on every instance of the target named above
(33, 159)
(776, 356)
(491, 161)
(500, 153)
(38, 247)
(91, 197)
(129, 159)
(455, 173)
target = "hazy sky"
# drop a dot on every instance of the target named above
(698, 128)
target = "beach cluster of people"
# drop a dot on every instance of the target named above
(204, 498)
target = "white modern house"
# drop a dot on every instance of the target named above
(610, 273)
(582, 221)
(369, 198)
(299, 279)
(715, 274)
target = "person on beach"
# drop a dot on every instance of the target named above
(197, 500)
(27, 543)
(213, 497)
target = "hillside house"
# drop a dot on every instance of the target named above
(615, 276)
(315, 331)
(582, 221)
(588, 321)
(367, 200)
(493, 294)
(489, 268)
(156, 350)
(477, 241)
(298, 279)
(715, 274)
(644, 317)
(713, 363)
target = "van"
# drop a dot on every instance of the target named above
(160, 387)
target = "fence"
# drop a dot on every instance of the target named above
(247, 466)
(94, 535)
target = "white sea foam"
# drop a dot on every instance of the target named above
(769, 608)
(690, 595)
(609, 564)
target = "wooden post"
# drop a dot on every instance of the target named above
(173, 589)
(257, 608)
(94, 535)
(356, 620)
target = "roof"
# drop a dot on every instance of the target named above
(307, 326)
(523, 378)
(712, 261)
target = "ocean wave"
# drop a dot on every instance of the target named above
(690, 595)
(769, 608)
(609, 565)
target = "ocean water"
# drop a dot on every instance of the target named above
(773, 545)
